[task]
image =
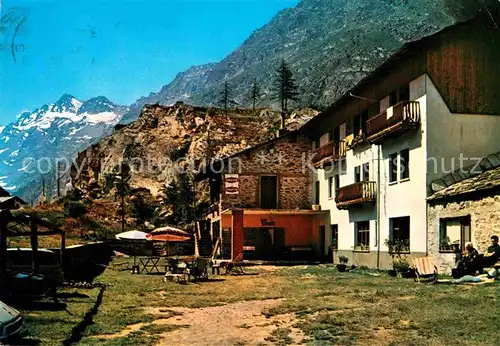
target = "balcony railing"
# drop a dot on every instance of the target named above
(405, 116)
(330, 152)
(357, 193)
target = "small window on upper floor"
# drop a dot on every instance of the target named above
(393, 98)
(404, 93)
(357, 174)
(400, 94)
(316, 143)
(404, 164)
(393, 168)
(366, 171)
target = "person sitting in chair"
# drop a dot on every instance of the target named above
(466, 265)
(493, 252)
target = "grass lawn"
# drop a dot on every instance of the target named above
(323, 306)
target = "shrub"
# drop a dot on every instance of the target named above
(75, 209)
(343, 259)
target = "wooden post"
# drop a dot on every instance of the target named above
(34, 245)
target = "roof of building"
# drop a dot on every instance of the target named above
(487, 180)
(3, 192)
(7, 198)
(406, 50)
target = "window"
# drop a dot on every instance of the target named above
(399, 95)
(337, 182)
(316, 192)
(393, 98)
(399, 236)
(364, 119)
(334, 134)
(357, 174)
(454, 233)
(404, 164)
(330, 187)
(362, 240)
(366, 171)
(269, 192)
(335, 236)
(374, 109)
(356, 125)
(316, 143)
(393, 168)
(399, 162)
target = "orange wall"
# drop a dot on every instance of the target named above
(298, 228)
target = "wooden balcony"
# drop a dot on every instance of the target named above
(405, 117)
(355, 194)
(328, 153)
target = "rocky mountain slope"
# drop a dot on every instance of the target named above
(166, 138)
(30, 145)
(329, 44)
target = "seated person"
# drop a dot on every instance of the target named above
(493, 252)
(467, 265)
(491, 256)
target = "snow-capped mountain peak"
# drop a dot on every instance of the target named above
(66, 103)
(55, 130)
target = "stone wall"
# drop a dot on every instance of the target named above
(282, 157)
(485, 221)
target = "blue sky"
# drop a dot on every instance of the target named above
(117, 48)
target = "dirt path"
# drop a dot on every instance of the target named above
(239, 323)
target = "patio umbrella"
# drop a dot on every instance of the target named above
(133, 237)
(170, 230)
(136, 236)
(168, 234)
(167, 237)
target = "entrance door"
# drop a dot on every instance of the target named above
(322, 241)
(269, 192)
(279, 242)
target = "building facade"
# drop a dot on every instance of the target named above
(378, 151)
(261, 203)
(466, 211)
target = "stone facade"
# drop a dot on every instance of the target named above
(484, 212)
(285, 158)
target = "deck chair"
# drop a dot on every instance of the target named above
(425, 269)
(236, 265)
(199, 270)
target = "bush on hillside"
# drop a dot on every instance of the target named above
(75, 209)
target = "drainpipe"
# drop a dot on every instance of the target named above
(378, 205)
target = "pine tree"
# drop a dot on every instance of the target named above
(225, 99)
(286, 88)
(255, 93)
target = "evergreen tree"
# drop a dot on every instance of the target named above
(255, 93)
(286, 87)
(225, 97)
